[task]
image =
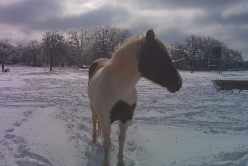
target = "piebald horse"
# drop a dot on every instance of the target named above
(111, 88)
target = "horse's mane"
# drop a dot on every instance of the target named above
(126, 54)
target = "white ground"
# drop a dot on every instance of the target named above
(45, 120)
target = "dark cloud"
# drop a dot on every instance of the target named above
(28, 11)
(240, 19)
(96, 17)
(205, 4)
(226, 20)
(182, 4)
(99, 16)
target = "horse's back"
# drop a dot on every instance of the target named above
(96, 65)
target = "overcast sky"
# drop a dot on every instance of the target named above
(171, 20)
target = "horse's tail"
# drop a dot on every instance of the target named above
(99, 132)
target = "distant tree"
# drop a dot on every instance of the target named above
(105, 40)
(179, 51)
(54, 46)
(6, 49)
(80, 47)
(26, 54)
(101, 42)
(236, 58)
(33, 49)
(19, 51)
(227, 56)
(77, 44)
(196, 51)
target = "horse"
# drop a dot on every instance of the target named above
(111, 86)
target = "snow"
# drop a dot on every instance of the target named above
(45, 120)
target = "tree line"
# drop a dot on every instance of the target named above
(82, 47)
(78, 47)
(194, 53)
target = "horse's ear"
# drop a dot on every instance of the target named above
(150, 36)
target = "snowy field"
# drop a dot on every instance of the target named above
(45, 120)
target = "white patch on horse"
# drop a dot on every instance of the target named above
(112, 91)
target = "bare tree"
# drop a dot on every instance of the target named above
(6, 49)
(78, 43)
(105, 40)
(101, 42)
(196, 51)
(19, 51)
(54, 46)
(33, 49)
(180, 51)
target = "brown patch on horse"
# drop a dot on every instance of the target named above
(93, 68)
(156, 65)
(122, 111)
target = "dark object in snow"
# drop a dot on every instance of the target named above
(230, 84)
(6, 70)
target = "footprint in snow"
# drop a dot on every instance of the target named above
(17, 124)
(9, 136)
(10, 130)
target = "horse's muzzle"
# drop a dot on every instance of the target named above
(175, 87)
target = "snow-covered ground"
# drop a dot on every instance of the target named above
(45, 120)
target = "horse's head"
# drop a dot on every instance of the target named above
(156, 65)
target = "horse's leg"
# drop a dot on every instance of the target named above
(94, 119)
(106, 130)
(122, 137)
(99, 132)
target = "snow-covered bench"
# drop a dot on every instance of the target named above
(230, 84)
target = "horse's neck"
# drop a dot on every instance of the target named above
(124, 64)
(125, 72)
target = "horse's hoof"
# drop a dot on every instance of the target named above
(94, 140)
